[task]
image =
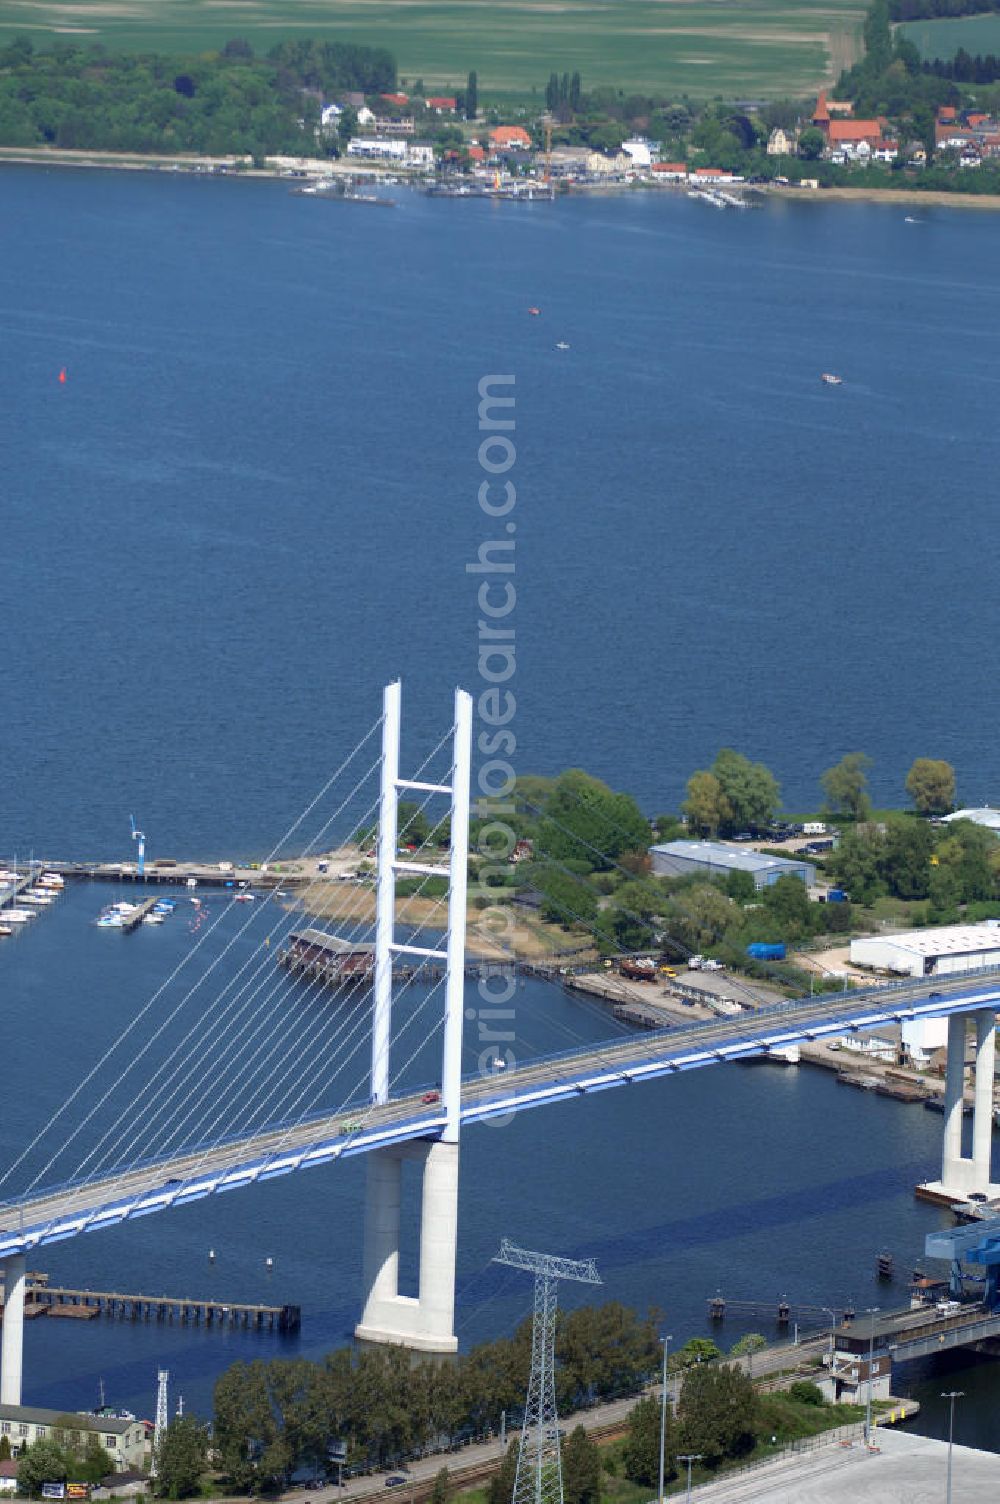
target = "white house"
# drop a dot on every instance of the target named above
(419, 154)
(23, 1425)
(330, 116)
(780, 143)
(366, 116)
(640, 151)
(377, 148)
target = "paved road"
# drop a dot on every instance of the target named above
(641, 1056)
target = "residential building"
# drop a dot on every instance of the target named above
(942, 951)
(672, 172)
(603, 164)
(707, 175)
(781, 143)
(441, 104)
(420, 154)
(378, 148)
(8, 1476)
(639, 150)
(329, 117)
(125, 1440)
(510, 137)
(715, 859)
(399, 100)
(365, 116)
(850, 136)
(393, 125)
(887, 151)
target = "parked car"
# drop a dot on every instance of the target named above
(429, 1097)
(395, 1480)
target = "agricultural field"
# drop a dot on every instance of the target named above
(741, 48)
(943, 38)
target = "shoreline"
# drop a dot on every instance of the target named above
(282, 168)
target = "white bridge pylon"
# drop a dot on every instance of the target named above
(426, 1322)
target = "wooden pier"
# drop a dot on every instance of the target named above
(85, 1305)
(132, 920)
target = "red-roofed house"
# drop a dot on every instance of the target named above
(842, 107)
(975, 121)
(510, 137)
(476, 153)
(713, 175)
(673, 172)
(947, 113)
(441, 105)
(400, 100)
(8, 1476)
(854, 136)
(952, 137)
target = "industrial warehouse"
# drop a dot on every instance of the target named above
(714, 859)
(934, 952)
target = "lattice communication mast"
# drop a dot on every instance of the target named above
(539, 1465)
(162, 1413)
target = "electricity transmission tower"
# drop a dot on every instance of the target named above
(539, 1466)
(162, 1413)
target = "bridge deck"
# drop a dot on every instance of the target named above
(65, 1211)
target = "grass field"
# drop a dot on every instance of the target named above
(741, 48)
(944, 38)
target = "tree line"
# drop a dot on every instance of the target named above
(939, 10)
(84, 97)
(272, 1417)
(966, 68)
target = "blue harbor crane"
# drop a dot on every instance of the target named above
(140, 836)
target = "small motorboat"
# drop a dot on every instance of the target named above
(828, 379)
(42, 900)
(5, 929)
(534, 312)
(153, 918)
(562, 345)
(18, 916)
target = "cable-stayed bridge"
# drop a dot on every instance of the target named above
(240, 1092)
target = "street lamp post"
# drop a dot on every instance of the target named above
(952, 1395)
(833, 1322)
(871, 1311)
(663, 1414)
(689, 1458)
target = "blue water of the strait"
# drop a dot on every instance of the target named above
(252, 502)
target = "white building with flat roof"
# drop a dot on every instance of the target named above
(984, 815)
(943, 951)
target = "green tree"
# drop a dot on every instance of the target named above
(641, 1452)
(440, 1491)
(696, 1350)
(581, 1468)
(750, 789)
(846, 786)
(906, 857)
(501, 1485)
(811, 143)
(43, 1462)
(472, 96)
(930, 783)
(856, 865)
(604, 1350)
(716, 1413)
(575, 89)
(878, 37)
(697, 917)
(566, 899)
(583, 820)
(4, 1448)
(805, 1393)
(180, 1458)
(788, 902)
(706, 806)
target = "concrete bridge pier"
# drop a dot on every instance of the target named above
(426, 1323)
(12, 1339)
(960, 1173)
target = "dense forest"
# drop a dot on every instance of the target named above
(85, 97)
